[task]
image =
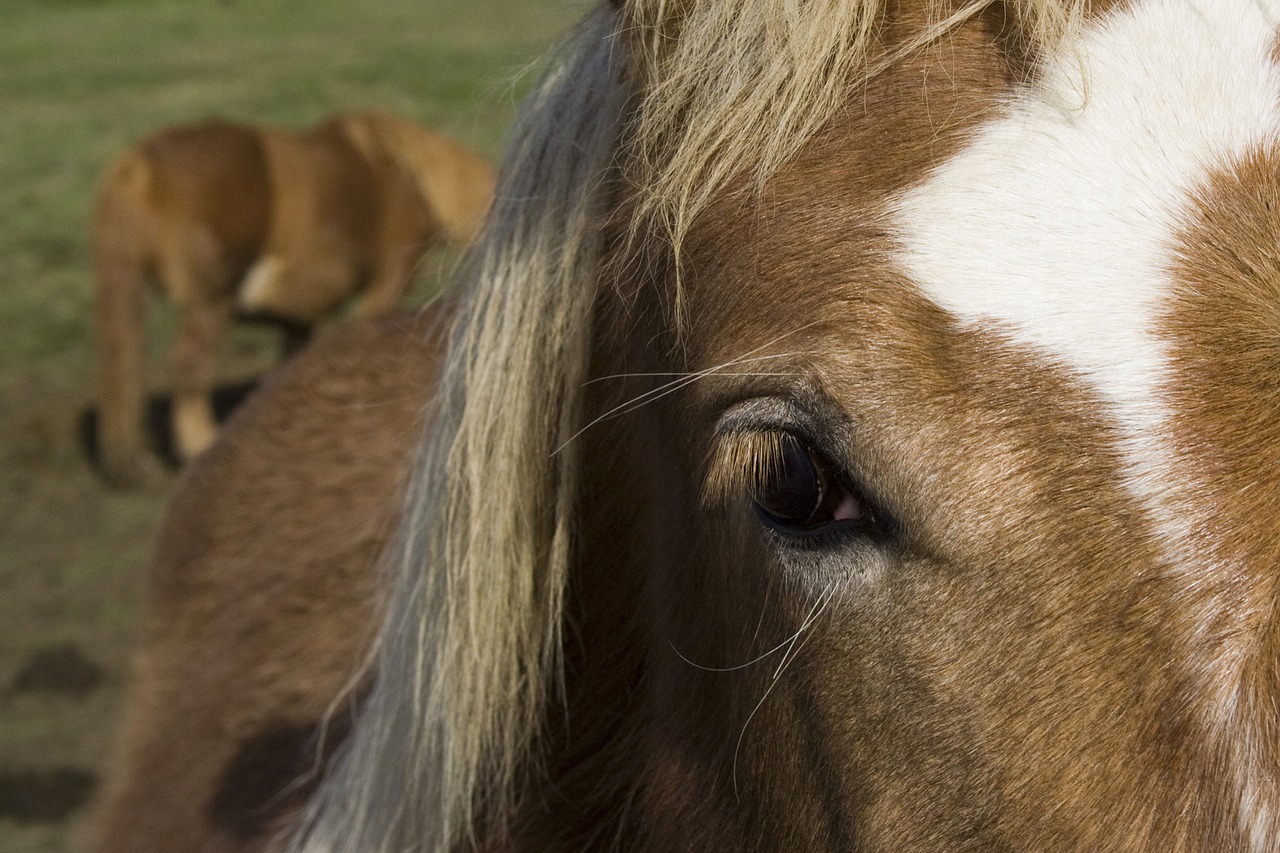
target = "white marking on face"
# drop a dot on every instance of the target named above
(1056, 221)
(1056, 225)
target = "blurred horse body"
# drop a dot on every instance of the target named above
(288, 227)
(858, 429)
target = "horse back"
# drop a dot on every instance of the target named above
(430, 181)
(328, 197)
(262, 596)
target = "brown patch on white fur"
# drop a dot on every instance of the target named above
(1223, 329)
(343, 210)
(263, 596)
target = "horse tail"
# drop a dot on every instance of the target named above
(455, 183)
(120, 261)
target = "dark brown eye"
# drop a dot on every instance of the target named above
(797, 493)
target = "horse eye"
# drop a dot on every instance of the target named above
(798, 493)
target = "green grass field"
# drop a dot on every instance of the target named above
(80, 80)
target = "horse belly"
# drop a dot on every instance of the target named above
(325, 210)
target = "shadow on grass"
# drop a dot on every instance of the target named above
(58, 670)
(44, 796)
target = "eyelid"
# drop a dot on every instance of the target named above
(762, 414)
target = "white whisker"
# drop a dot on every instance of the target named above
(817, 610)
(686, 379)
(681, 373)
(751, 662)
(789, 640)
(648, 397)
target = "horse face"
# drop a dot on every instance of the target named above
(985, 461)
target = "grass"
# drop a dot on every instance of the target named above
(81, 80)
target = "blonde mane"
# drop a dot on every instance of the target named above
(470, 650)
(484, 553)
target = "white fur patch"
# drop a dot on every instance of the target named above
(258, 291)
(1055, 226)
(1056, 221)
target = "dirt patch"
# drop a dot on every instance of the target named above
(44, 796)
(62, 669)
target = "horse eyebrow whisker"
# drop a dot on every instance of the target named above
(672, 387)
(684, 373)
(663, 390)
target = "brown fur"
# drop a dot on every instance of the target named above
(1224, 318)
(262, 600)
(226, 217)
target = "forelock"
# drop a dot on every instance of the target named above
(736, 89)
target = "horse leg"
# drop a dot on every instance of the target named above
(195, 356)
(388, 283)
(122, 254)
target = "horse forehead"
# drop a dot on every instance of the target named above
(1080, 223)
(1058, 223)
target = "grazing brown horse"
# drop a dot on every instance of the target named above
(859, 430)
(290, 227)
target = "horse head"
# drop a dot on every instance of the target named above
(860, 433)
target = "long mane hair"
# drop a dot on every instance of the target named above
(666, 101)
